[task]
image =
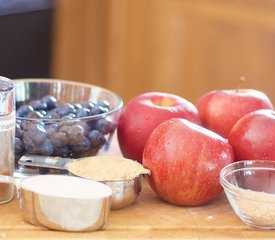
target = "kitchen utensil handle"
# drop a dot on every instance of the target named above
(44, 161)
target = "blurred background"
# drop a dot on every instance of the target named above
(134, 46)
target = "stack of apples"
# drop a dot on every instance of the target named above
(185, 145)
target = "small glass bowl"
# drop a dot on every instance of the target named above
(66, 136)
(250, 189)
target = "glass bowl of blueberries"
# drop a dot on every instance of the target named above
(63, 118)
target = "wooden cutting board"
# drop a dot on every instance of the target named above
(148, 218)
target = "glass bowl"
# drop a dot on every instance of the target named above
(80, 123)
(250, 189)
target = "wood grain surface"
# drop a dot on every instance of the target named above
(182, 47)
(148, 218)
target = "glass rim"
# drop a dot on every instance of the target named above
(6, 179)
(241, 165)
(118, 106)
(11, 83)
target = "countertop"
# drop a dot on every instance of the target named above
(148, 218)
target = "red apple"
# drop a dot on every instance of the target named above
(185, 160)
(253, 136)
(143, 113)
(219, 110)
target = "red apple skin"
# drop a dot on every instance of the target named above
(185, 161)
(253, 136)
(219, 110)
(143, 113)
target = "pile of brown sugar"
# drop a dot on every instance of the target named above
(103, 168)
(259, 207)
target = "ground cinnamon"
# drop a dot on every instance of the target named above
(258, 207)
(6, 187)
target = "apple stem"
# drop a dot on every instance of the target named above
(242, 79)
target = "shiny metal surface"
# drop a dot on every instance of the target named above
(125, 192)
(70, 214)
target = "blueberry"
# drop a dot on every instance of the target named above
(104, 126)
(75, 133)
(51, 128)
(88, 105)
(82, 145)
(27, 125)
(69, 116)
(46, 148)
(96, 138)
(85, 127)
(59, 139)
(64, 128)
(24, 110)
(63, 151)
(52, 115)
(18, 131)
(18, 146)
(34, 115)
(98, 110)
(103, 104)
(65, 109)
(38, 134)
(43, 112)
(28, 142)
(77, 106)
(50, 101)
(83, 112)
(38, 105)
(64, 138)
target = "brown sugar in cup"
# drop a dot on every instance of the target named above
(123, 176)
